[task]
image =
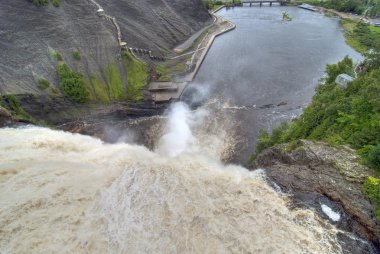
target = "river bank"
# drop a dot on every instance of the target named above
(331, 172)
(194, 54)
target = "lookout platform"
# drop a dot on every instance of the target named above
(166, 91)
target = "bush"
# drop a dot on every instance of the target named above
(57, 56)
(56, 3)
(372, 157)
(338, 116)
(72, 84)
(40, 2)
(76, 55)
(10, 102)
(372, 188)
(43, 84)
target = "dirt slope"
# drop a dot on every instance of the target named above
(28, 31)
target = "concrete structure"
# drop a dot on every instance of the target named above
(343, 79)
(261, 2)
(100, 12)
(163, 92)
(308, 7)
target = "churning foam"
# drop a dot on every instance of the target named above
(68, 193)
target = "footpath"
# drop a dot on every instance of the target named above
(163, 92)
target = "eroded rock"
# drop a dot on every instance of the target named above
(316, 174)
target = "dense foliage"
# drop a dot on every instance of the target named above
(369, 8)
(72, 83)
(372, 189)
(43, 84)
(11, 103)
(341, 115)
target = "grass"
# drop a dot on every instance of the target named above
(163, 71)
(115, 83)
(100, 89)
(76, 55)
(359, 36)
(215, 7)
(137, 74)
(55, 54)
(56, 3)
(349, 27)
(11, 103)
(43, 84)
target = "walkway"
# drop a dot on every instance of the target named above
(173, 90)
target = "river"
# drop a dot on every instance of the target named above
(266, 70)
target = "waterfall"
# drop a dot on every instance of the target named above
(68, 193)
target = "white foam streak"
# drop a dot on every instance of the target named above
(334, 216)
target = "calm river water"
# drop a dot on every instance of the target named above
(266, 70)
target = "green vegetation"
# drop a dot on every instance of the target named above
(163, 72)
(76, 55)
(40, 2)
(55, 54)
(137, 74)
(100, 89)
(286, 16)
(215, 4)
(370, 8)
(56, 3)
(72, 84)
(212, 4)
(341, 115)
(43, 84)
(361, 36)
(372, 188)
(115, 83)
(11, 103)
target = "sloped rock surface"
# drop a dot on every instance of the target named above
(316, 174)
(28, 31)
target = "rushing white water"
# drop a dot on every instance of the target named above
(68, 193)
(330, 212)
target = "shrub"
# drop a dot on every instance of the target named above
(372, 188)
(10, 102)
(43, 84)
(372, 157)
(56, 3)
(40, 2)
(338, 116)
(57, 56)
(76, 55)
(72, 84)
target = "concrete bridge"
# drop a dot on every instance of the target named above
(261, 2)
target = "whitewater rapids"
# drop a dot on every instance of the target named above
(69, 193)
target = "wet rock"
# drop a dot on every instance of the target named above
(316, 174)
(5, 117)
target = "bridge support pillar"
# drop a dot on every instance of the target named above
(261, 3)
(270, 3)
(250, 4)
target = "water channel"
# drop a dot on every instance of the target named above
(266, 70)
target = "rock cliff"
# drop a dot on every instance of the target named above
(30, 34)
(315, 174)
